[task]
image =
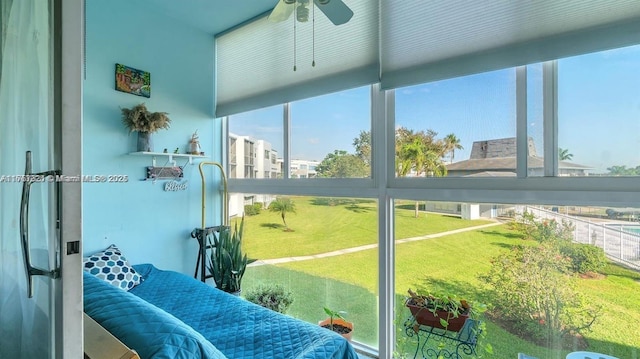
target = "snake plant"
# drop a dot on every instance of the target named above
(227, 261)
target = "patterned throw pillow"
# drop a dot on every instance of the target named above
(111, 266)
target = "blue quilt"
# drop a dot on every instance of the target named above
(150, 331)
(238, 328)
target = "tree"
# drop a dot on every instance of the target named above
(421, 153)
(362, 145)
(452, 143)
(283, 205)
(564, 155)
(624, 171)
(341, 164)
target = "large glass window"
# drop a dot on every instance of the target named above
(252, 134)
(459, 127)
(580, 292)
(599, 113)
(541, 272)
(326, 132)
(301, 244)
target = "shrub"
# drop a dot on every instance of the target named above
(271, 296)
(585, 257)
(542, 231)
(534, 289)
(252, 209)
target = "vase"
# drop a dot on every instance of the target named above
(145, 142)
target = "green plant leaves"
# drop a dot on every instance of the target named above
(227, 261)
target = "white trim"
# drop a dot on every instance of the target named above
(550, 117)
(71, 23)
(286, 155)
(381, 117)
(522, 139)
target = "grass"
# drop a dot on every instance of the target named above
(323, 225)
(349, 282)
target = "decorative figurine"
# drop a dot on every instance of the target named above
(194, 144)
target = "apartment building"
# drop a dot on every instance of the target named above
(250, 158)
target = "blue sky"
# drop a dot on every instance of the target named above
(598, 110)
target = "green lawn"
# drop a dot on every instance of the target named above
(349, 282)
(322, 225)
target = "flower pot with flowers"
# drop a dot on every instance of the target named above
(139, 119)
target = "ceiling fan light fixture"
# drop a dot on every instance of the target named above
(323, 2)
(289, 2)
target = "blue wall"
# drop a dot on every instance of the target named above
(147, 223)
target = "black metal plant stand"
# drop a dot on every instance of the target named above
(201, 234)
(437, 343)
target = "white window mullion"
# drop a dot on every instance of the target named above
(286, 156)
(522, 145)
(381, 136)
(550, 117)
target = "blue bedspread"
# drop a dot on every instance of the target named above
(152, 332)
(238, 328)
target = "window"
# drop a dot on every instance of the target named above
(458, 127)
(463, 216)
(314, 138)
(556, 255)
(251, 133)
(598, 114)
(290, 229)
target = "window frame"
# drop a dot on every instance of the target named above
(385, 187)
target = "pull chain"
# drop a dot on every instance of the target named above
(295, 9)
(313, 41)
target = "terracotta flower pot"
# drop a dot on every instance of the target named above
(425, 316)
(338, 321)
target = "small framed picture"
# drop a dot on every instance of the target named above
(133, 81)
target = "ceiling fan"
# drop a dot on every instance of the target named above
(335, 10)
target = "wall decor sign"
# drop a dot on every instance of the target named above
(133, 81)
(174, 186)
(155, 173)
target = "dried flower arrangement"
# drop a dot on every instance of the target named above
(140, 119)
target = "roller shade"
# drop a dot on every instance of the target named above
(254, 63)
(423, 41)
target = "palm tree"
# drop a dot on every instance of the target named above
(452, 143)
(283, 205)
(563, 154)
(419, 152)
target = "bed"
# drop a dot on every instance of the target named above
(171, 315)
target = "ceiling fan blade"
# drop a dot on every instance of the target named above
(281, 12)
(337, 11)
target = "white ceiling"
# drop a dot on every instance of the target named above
(211, 16)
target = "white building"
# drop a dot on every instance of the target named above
(250, 158)
(301, 168)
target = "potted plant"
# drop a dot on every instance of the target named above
(439, 311)
(337, 323)
(139, 119)
(228, 262)
(271, 296)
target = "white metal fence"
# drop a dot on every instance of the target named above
(620, 246)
